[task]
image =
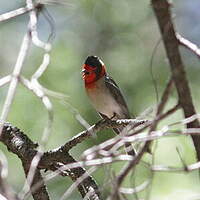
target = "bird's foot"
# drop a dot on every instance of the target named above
(114, 115)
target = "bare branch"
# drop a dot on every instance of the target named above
(34, 85)
(160, 108)
(189, 45)
(38, 91)
(131, 165)
(102, 124)
(165, 97)
(117, 140)
(18, 143)
(39, 193)
(137, 189)
(59, 160)
(15, 13)
(162, 12)
(91, 191)
(5, 189)
(187, 168)
(14, 79)
(5, 80)
(161, 105)
(24, 148)
(46, 59)
(33, 28)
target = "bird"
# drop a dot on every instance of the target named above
(104, 94)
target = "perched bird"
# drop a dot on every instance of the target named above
(104, 94)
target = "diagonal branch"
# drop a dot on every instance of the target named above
(14, 13)
(14, 79)
(189, 45)
(39, 193)
(18, 143)
(163, 15)
(5, 80)
(19, 11)
(102, 124)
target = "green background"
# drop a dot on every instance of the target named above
(124, 34)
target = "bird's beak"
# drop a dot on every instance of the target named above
(84, 71)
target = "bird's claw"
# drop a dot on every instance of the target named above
(114, 115)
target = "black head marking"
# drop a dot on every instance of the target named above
(93, 61)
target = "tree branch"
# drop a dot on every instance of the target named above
(189, 45)
(162, 12)
(102, 124)
(39, 193)
(14, 79)
(18, 143)
(145, 147)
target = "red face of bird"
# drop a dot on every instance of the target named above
(93, 69)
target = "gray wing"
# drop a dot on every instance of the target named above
(115, 90)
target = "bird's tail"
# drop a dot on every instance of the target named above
(128, 146)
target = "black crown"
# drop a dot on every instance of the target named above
(93, 61)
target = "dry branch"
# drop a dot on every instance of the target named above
(18, 143)
(98, 127)
(59, 160)
(24, 148)
(5, 189)
(14, 79)
(20, 11)
(163, 15)
(131, 165)
(189, 45)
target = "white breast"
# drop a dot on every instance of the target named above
(103, 101)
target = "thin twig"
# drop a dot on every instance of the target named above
(33, 28)
(164, 97)
(14, 79)
(189, 45)
(137, 189)
(186, 168)
(5, 80)
(15, 13)
(38, 91)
